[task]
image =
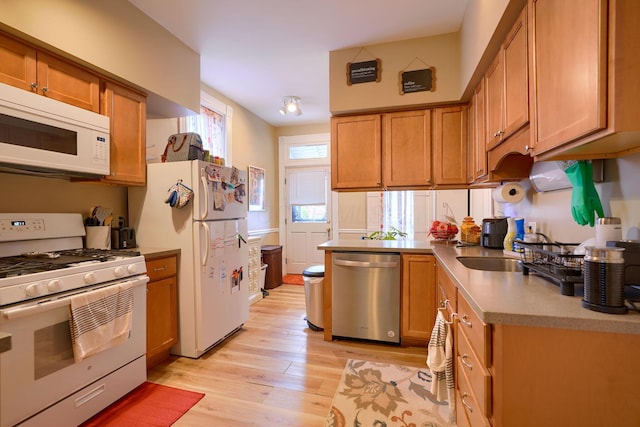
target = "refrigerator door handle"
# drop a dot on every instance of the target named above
(205, 191)
(207, 242)
(241, 240)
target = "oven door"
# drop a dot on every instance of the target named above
(39, 369)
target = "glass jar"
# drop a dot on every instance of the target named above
(466, 229)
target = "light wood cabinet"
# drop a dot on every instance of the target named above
(472, 354)
(417, 149)
(418, 298)
(522, 375)
(506, 108)
(162, 308)
(494, 101)
(127, 110)
(25, 67)
(447, 293)
(473, 360)
(450, 147)
(407, 149)
(477, 125)
(507, 86)
(562, 377)
(356, 152)
(585, 89)
(380, 151)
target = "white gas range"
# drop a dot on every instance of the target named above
(43, 267)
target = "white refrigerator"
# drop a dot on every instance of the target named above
(211, 233)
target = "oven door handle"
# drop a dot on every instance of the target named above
(19, 312)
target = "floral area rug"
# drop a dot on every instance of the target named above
(386, 395)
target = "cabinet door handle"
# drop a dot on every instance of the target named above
(463, 360)
(34, 86)
(466, 321)
(466, 405)
(45, 89)
(164, 267)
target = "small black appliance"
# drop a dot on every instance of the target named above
(494, 231)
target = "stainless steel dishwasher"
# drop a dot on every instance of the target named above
(365, 298)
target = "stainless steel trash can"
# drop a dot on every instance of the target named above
(313, 291)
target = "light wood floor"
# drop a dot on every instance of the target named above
(275, 371)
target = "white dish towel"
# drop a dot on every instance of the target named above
(440, 362)
(100, 319)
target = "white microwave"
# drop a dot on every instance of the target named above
(43, 136)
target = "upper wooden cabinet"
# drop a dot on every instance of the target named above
(381, 151)
(22, 66)
(450, 146)
(417, 149)
(356, 152)
(407, 149)
(507, 86)
(17, 63)
(585, 88)
(477, 108)
(501, 102)
(127, 110)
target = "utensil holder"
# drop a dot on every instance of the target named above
(98, 237)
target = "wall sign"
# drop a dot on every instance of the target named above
(417, 81)
(363, 72)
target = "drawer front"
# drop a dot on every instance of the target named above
(476, 332)
(446, 290)
(467, 404)
(161, 268)
(477, 376)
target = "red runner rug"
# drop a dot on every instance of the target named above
(293, 279)
(149, 404)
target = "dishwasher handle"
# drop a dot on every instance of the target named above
(365, 264)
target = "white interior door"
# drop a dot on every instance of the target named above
(308, 216)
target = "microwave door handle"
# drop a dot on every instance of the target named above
(204, 212)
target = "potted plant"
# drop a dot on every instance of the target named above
(391, 234)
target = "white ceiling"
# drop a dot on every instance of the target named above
(255, 52)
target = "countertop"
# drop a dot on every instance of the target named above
(351, 245)
(152, 253)
(505, 297)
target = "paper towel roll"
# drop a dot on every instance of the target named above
(508, 193)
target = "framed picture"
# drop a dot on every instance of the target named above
(256, 188)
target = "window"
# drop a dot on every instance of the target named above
(308, 190)
(309, 151)
(408, 211)
(213, 125)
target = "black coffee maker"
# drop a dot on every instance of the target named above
(494, 231)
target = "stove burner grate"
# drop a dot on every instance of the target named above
(30, 264)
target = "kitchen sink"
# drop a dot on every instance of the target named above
(490, 263)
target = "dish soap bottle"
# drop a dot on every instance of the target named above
(519, 235)
(510, 236)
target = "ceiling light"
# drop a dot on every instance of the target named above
(291, 106)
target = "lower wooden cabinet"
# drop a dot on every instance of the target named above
(162, 308)
(418, 298)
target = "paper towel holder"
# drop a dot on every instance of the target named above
(550, 176)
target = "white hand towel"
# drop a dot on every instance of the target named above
(100, 319)
(440, 362)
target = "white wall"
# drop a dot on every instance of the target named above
(619, 194)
